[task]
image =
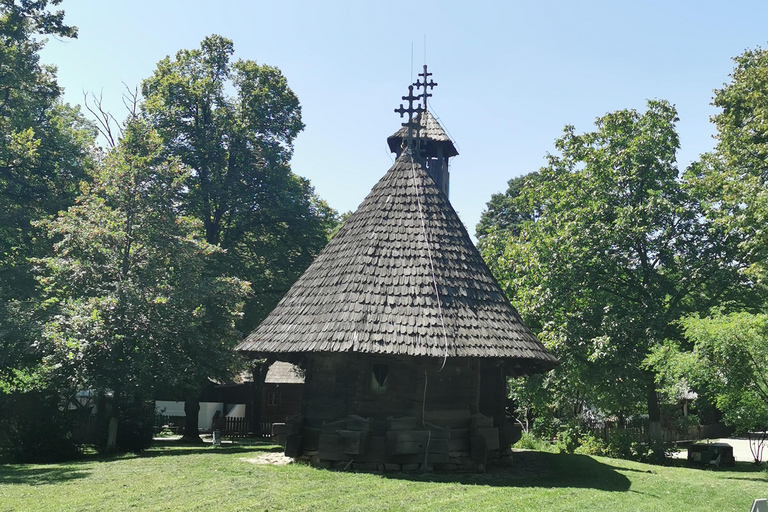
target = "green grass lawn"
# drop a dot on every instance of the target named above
(171, 477)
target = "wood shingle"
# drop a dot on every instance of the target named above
(373, 288)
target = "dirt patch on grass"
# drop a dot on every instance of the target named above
(274, 459)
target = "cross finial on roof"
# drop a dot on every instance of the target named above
(426, 85)
(413, 123)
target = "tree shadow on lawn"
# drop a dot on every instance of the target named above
(176, 448)
(538, 469)
(739, 467)
(37, 475)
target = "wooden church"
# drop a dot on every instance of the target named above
(405, 337)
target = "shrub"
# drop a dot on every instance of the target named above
(531, 442)
(545, 427)
(136, 427)
(35, 427)
(568, 438)
(590, 444)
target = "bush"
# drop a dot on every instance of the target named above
(531, 442)
(545, 427)
(568, 438)
(35, 427)
(624, 444)
(135, 424)
(136, 427)
(590, 444)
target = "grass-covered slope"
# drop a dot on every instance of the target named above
(170, 477)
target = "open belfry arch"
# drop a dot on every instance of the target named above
(405, 337)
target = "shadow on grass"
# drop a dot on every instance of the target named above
(738, 467)
(175, 448)
(36, 475)
(538, 469)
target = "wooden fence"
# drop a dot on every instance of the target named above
(174, 423)
(233, 427)
(84, 431)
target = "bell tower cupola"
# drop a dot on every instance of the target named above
(422, 134)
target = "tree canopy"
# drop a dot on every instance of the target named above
(44, 154)
(137, 306)
(728, 362)
(616, 254)
(724, 357)
(238, 147)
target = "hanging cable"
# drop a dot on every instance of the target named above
(431, 261)
(424, 421)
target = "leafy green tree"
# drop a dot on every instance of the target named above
(728, 362)
(44, 154)
(734, 178)
(725, 357)
(238, 147)
(505, 212)
(137, 306)
(619, 252)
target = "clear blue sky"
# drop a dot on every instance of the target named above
(511, 74)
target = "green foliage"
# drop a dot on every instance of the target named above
(44, 155)
(590, 444)
(624, 444)
(735, 176)
(137, 427)
(35, 428)
(238, 147)
(617, 251)
(568, 438)
(530, 441)
(505, 212)
(545, 426)
(135, 304)
(728, 362)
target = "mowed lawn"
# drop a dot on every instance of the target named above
(170, 477)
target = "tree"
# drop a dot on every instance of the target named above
(44, 154)
(735, 176)
(238, 147)
(619, 252)
(725, 357)
(728, 363)
(137, 307)
(505, 212)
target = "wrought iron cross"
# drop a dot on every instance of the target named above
(425, 85)
(413, 123)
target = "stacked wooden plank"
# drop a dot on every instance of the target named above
(403, 443)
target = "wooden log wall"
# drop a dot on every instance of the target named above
(430, 416)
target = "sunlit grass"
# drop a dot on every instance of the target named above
(173, 477)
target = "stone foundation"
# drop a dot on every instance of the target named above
(398, 444)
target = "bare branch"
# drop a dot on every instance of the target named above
(104, 119)
(131, 100)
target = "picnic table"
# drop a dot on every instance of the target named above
(715, 454)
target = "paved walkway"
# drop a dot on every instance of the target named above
(741, 451)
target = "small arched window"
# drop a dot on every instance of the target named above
(379, 375)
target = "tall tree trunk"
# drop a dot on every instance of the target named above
(191, 410)
(259, 375)
(655, 439)
(112, 434)
(114, 416)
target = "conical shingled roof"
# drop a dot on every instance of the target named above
(371, 289)
(429, 130)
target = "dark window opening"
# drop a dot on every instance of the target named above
(379, 373)
(272, 399)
